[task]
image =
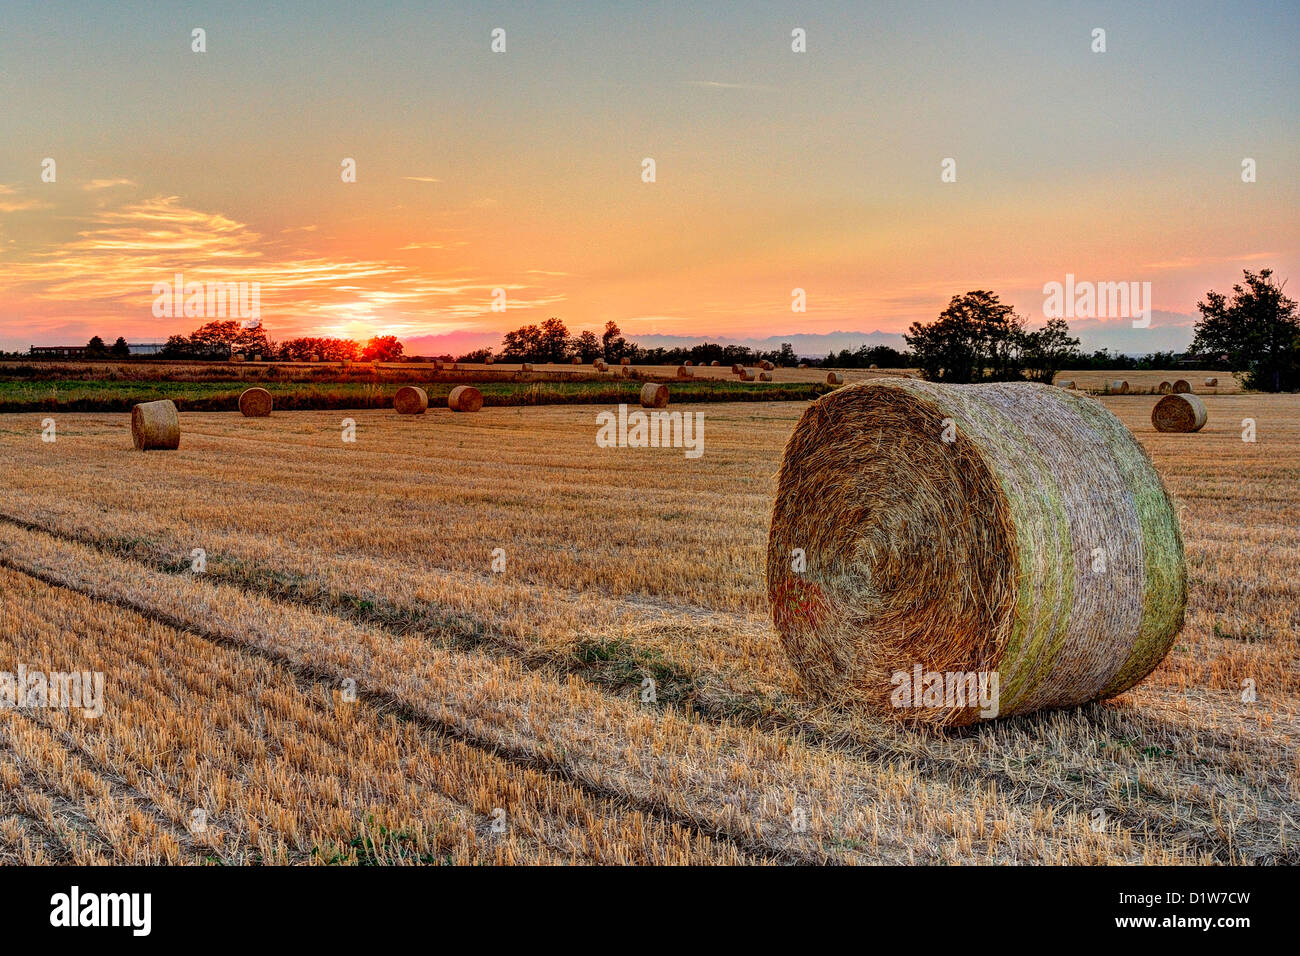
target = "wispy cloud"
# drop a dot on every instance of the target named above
(97, 184)
(421, 179)
(719, 85)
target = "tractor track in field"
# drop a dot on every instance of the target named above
(754, 850)
(1163, 813)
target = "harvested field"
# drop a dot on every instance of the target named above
(523, 690)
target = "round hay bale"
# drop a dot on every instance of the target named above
(313, 358)
(526, 367)
(737, 369)
(1037, 543)
(688, 363)
(1179, 413)
(766, 366)
(625, 372)
(1211, 383)
(803, 364)
(1182, 386)
(834, 378)
(411, 400)
(654, 395)
(156, 426)
(714, 364)
(256, 358)
(1066, 383)
(1164, 388)
(600, 366)
(577, 360)
(1119, 387)
(873, 366)
(489, 360)
(625, 361)
(765, 376)
(255, 403)
(684, 371)
(465, 398)
(237, 357)
(746, 375)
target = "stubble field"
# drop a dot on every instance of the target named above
(350, 680)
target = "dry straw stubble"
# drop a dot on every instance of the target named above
(1038, 543)
(465, 398)
(255, 403)
(156, 426)
(411, 400)
(1179, 413)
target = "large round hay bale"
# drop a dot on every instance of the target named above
(156, 426)
(1066, 383)
(654, 395)
(625, 371)
(1119, 387)
(684, 371)
(765, 376)
(411, 400)
(465, 398)
(1182, 386)
(834, 378)
(255, 403)
(737, 369)
(625, 361)
(1164, 388)
(714, 364)
(1179, 413)
(1211, 383)
(1010, 529)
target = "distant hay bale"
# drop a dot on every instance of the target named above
(1066, 383)
(237, 357)
(765, 376)
(1164, 388)
(1182, 386)
(688, 363)
(489, 360)
(577, 360)
(156, 426)
(255, 403)
(626, 372)
(411, 400)
(256, 358)
(1179, 413)
(625, 361)
(1211, 383)
(1119, 387)
(654, 395)
(526, 367)
(313, 358)
(834, 378)
(684, 371)
(465, 398)
(600, 366)
(737, 369)
(714, 364)
(1010, 529)
(873, 366)
(766, 366)
(746, 375)
(803, 364)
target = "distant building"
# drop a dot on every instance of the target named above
(80, 351)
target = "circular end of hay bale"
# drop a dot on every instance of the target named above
(411, 400)
(765, 366)
(625, 361)
(963, 545)
(526, 367)
(465, 398)
(714, 364)
(1164, 388)
(255, 403)
(600, 366)
(1179, 413)
(737, 369)
(625, 371)
(688, 363)
(156, 426)
(654, 395)
(1182, 386)
(1211, 383)
(577, 360)
(834, 378)
(684, 371)
(1119, 387)
(873, 366)
(765, 376)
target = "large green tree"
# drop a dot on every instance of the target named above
(976, 337)
(1256, 331)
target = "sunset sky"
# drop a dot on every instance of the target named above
(522, 170)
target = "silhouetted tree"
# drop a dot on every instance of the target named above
(1257, 330)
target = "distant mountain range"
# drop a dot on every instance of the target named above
(1168, 332)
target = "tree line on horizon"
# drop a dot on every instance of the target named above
(1254, 332)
